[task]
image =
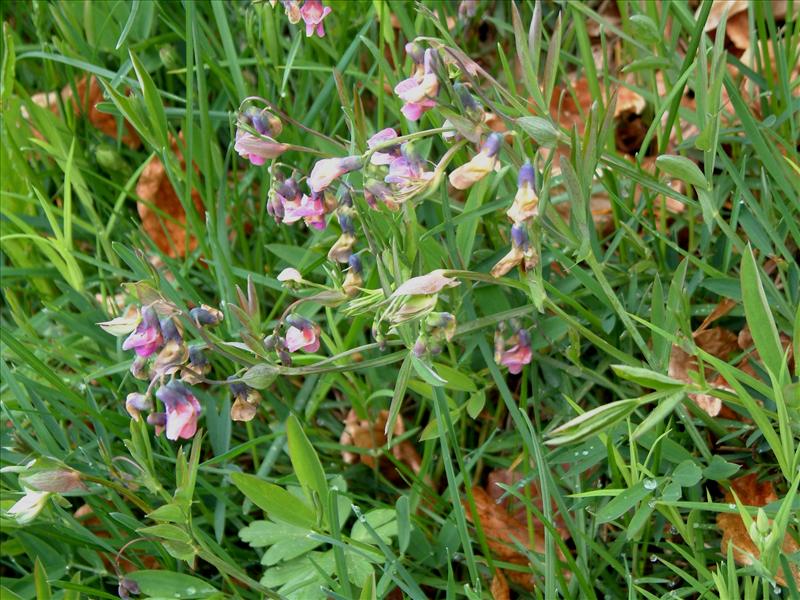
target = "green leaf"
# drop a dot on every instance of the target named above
(759, 316)
(541, 130)
(592, 421)
(672, 492)
(646, 377)
(687, 474)
(40, 583)
(285, 541)
(622, 503)
(426, 372)
(167, 532)
(169, 584)
(382, 520)
(719, 469)
(279, 504)
(683, 169)
(662, 410)
(152, 101)
(475, 404)
(306, 463)
(261, 376)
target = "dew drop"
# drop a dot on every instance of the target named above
(732, 506)
(191, 591)
(585, 453)
(653, 558)
(650, 484)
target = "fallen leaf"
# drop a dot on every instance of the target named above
(752, 493)
(499, 587)
(717, 341)
(161, 211)
(371, 436)
(89, 95)
(505, 522)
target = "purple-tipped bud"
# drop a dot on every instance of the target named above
(420, 348)
(139, 368)
(346, 222)
(492, 144)
(197, 358)
(301, 323)
(355, 263)
(273, 342)
(527, 176)
(415, 52)
(157, 419)
(346, 200)
(467, 99)
(170, 330)
(127, 587)
(519, 236)
(206, 315)
(285, 358)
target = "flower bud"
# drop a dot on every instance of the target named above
(135, 403)
(206, 315)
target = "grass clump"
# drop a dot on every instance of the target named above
(381, 299)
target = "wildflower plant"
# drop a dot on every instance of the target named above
(418, 299)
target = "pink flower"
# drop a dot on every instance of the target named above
(388, 154)
(407, 172)
(146, 338)
(309, 208)
(257, 150)
(292, 10)
(182, 410)
(313, 13)
(302, 334)
(518, 355)
(328, 170)
(418, 91)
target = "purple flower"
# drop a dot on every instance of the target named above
(417, 92)
(407, 175)
(182, 410)
(521, 252)
(302, 334)
(286, 192)
(328, 170)
(388, 154)
(206, 315)
(313, 12)
(146, 338)
(309, 208)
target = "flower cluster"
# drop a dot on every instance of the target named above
(312, 12)
(164, 358)
(255, 133)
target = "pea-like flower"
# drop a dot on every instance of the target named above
(146, 338)
(481, 164)
(515, 352)
(313, 12)
(262, 147)
(309, 208)
(353, 280)
(328, 170)
(387, 153)
(343, 248)
(302, 334)
(245, 402)
(135, 403)
(197, 368)
(526, 201)
(292, 10)
(521, 252)
(408, 177)
(206, 315)
(418, 91)
(182, 410)
(437, 329)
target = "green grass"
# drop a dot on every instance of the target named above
(628, 473)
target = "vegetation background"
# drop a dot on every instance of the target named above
(651, 448)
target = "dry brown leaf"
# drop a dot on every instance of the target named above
(720, 310)
(505, 523)
(159, 198)
(717, 341)
(751, 493)
(499, 587)
(370, 435)
(89, 95)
